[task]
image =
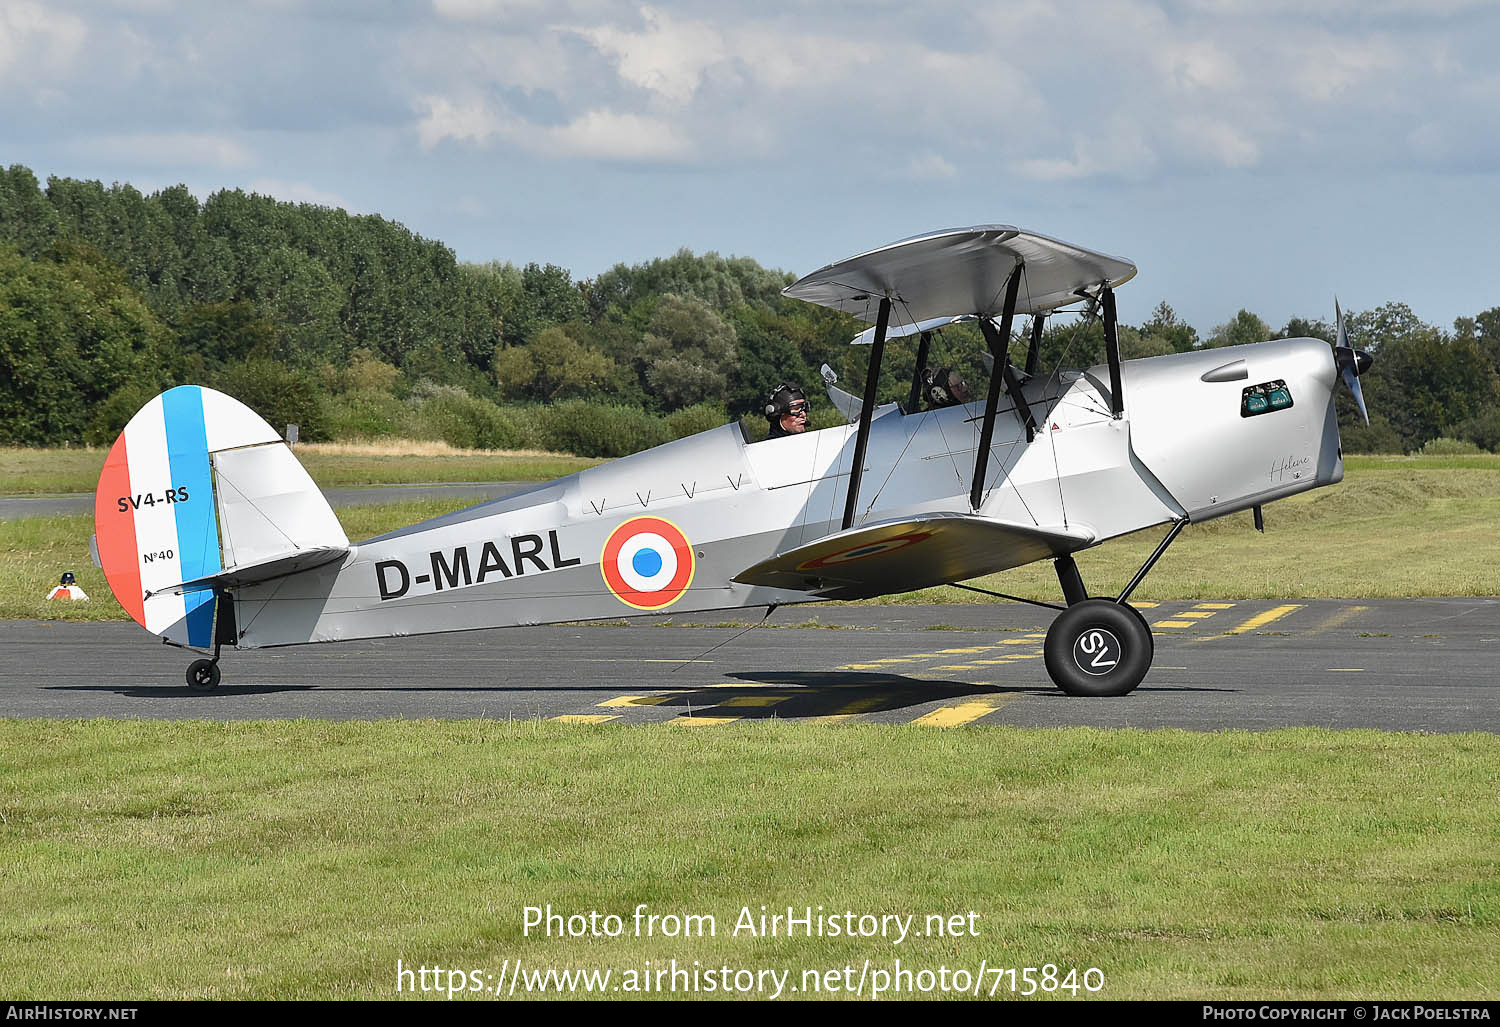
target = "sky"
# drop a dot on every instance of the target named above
(1259, 154)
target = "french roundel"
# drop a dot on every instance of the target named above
(647, 563)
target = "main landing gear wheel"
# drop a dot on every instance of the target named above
(1098, 647)
(203, 675)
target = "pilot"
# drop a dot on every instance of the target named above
(945, 387)
(786, 409)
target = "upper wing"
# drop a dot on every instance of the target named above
(961, 271)
(911, 553)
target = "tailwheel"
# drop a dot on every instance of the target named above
(1098, 647)
(203, 675)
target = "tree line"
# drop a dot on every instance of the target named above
(354, 326)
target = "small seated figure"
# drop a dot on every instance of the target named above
(68, 589)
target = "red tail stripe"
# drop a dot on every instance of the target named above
(116, 531)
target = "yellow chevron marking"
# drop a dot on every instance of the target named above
(853, 709)
(963, 713)
(1260, 620)
(1340, 618)
(637, 700)
(586, 718)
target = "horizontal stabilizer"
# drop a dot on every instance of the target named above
(912, 553)
(250, 574)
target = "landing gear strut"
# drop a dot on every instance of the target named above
(1100, 647)
(203, 675)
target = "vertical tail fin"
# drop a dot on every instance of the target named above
(198, 485)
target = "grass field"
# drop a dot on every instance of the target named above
(1394, 527)
(193, 860)
(332, 465)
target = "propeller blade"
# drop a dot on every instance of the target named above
(1351, 363)
(1352, 380)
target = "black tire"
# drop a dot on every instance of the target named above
(203, 675)
(1098, 648)
(1150, 635)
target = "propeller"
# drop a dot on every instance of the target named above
(1351, 362)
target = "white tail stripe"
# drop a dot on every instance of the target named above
(155, 522)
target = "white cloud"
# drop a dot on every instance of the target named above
(37, 43)
(1117, 150)
(167, 149)
(471, 121)
(300, 192)
(601, 134)
(1217, 141)
(614, 136)
(929, 167)
(668, 57)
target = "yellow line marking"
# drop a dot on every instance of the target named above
(1018, 641)
(1260, 620)
(1343, 616)
(1145, 604)
(637, 700)
(586, 718)
(1003, 659)
(1196, 614)
(975, 649)
(850, 710)
(860, 666)
(963, 713)
(742, 684)
(1347, 670)
(686, 721)
(755, 700)
(955, 666)
(1173, 624)
(1214, 606)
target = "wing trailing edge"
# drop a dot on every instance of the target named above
(911, 553)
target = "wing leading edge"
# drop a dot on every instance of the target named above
(911, 553)
(961, 271)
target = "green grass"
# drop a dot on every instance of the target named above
(1395, 528)
(302, 859)
(45, 471)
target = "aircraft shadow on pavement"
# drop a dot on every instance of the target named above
(825, 693)
(181, 691)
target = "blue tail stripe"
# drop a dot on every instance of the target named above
(197, 523)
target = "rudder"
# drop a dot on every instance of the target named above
(164, 504)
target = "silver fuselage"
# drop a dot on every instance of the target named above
(1183, 448)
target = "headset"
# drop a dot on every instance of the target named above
(779, 399)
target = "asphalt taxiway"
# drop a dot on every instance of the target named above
(1402, 664)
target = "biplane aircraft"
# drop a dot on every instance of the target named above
(211, 533)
